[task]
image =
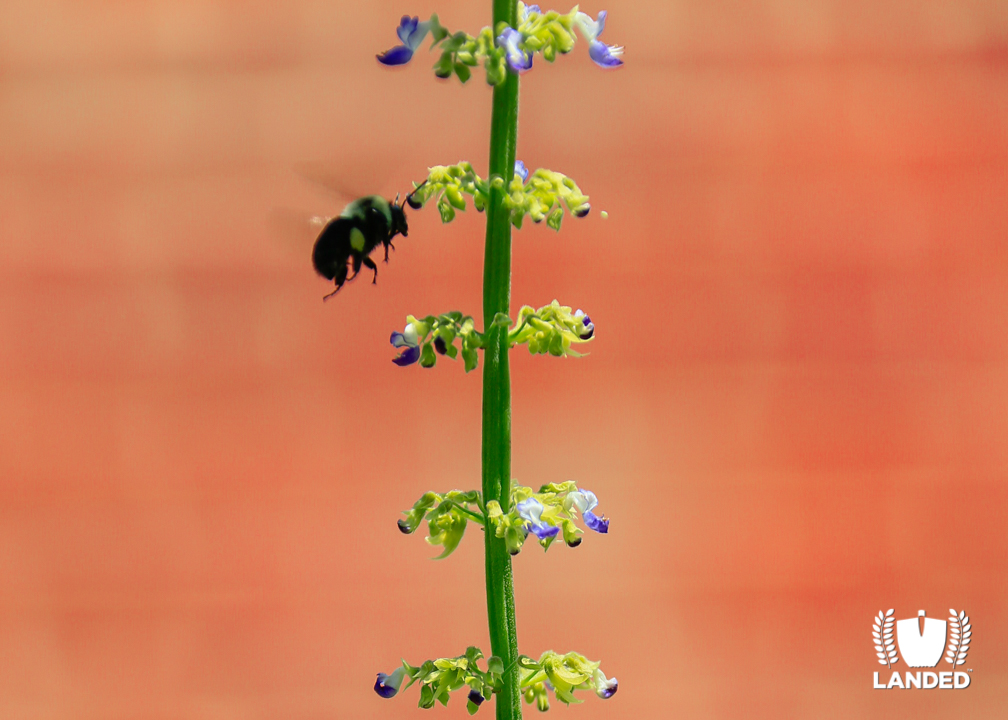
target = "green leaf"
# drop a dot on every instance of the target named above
(463, 72)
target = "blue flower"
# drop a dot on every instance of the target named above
(409, 340)
(388, 685)
(524, 10)
(604, 688)
(589, 327)
(607, 56)
(411, 32)
(585, 501)
(531, 511)
(519, 60)
(521, 170)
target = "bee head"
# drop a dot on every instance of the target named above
(398, 219)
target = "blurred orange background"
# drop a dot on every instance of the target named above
(794, 411)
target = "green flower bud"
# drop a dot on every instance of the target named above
(454, 197)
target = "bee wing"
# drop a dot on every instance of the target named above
(357, 179)
(295, 231)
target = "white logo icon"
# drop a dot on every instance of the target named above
(922, 641)
(921, 649)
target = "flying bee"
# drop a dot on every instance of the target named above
(347, 241)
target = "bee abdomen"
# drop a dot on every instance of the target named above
(332, 248)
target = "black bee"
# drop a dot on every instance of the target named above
(349, 239)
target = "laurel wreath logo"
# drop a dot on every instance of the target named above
(959, 638)
(882, 631)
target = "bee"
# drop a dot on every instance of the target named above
(347, 241)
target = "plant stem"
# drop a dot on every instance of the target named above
(497, 380)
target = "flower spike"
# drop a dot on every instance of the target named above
(411, 32)
(438, 678)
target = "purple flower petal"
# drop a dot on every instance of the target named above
(583, 210)
(607, 56)
(542, 530)
(412, 32)
(524, 11)
(399, 55)
(605, 688)
(521, 170)
(388, 685)
(409, 356)
(476, 698)
(594, 522)
(600, 23)
(518, 60)
(406, 26)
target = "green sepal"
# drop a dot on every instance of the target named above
(443, 67)
(463, 72)
(495, 665)
(554, 218)
(501, 320)
(426, 697)
(455, 198)
(428, 357)
(470, 357)
(447, 211)
(437, 30)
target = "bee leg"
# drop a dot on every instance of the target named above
(369, 263)
(387, 246)
(356, 268)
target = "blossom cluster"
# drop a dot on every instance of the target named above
(438, 678)
(424, 339)
(547, 514)
(563, 674)
(548, 33)
(551, 329)
(447, 516)
(540, 194)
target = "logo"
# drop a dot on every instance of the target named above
(922, 641)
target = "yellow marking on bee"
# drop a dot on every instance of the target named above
(356, 239)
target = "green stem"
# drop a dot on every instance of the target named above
(475, 517)
(497, 380)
